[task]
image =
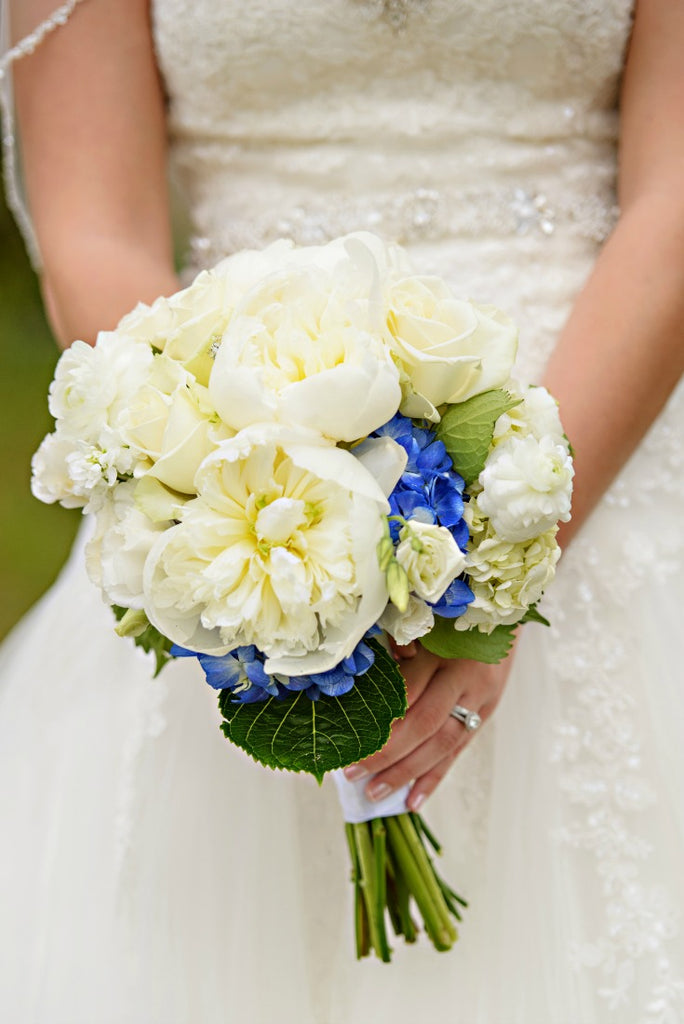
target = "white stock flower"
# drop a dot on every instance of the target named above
(526, 486)
(278, 550)
(116, 554)
(306, 346)
(404, 627)
(447, 348)
(505, 577)
(431, 558)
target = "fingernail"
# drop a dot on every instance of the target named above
(416, 802)
(355, 772)
(378, 790)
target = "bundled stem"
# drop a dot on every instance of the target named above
(391, 868)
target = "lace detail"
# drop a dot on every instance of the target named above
(604, 755)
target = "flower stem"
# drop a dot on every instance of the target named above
(417, 870)
(376, 919)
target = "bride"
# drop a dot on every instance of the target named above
(149, 873)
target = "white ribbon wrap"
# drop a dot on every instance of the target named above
(356, 807)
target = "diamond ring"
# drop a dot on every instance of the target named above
(470, 719)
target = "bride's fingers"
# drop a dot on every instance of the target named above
(402, 651)
(440, 748)
(428, 712)
(425, 786)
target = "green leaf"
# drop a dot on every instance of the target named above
(467, 429)
(447, 642)
(150, 640)
(532, 615)
(317, 736)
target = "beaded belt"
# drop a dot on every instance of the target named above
(420, 215)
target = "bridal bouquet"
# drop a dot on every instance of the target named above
(306, 450)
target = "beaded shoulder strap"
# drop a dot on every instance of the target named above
(11, 161)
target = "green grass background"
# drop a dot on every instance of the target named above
(34, 538)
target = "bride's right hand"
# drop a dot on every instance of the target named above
(423, 746)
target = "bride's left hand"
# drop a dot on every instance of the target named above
(424, 744)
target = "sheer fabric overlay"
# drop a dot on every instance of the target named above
(155, 874)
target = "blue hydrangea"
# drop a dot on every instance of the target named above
(242, 671)
(431, 491)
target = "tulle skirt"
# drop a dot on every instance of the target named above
(152, 874)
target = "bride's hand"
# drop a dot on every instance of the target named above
(424, 744)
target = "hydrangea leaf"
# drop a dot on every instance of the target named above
(317, 736)
(467, 428)
(447, 642)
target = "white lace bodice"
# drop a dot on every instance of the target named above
(449, 118)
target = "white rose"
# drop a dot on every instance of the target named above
(278, 550)
(404, 627)
(505, 577)
(304, 347)
(431, 558)
(449, 349)
(115, 557)
(526, 486)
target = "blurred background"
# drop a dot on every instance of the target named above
(34, 538)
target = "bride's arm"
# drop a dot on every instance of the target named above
(92, 128)
(622, 351)
(618, 359)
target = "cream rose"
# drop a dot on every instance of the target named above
(404, 627)
(448, 349)
(430, 557)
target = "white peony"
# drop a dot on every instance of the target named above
(278, 550)
(93, 385)
(172, 425)
(431, 558)
(116, 554)
(448, 349)
(404, 627)
(306, 346)
(526, 486)
(188, 325)
(536, 414)
(51, 479)
(505, 577)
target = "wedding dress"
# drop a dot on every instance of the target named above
(150, 873)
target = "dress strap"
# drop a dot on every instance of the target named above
(14, 189)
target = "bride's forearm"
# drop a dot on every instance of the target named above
(622, 351)
(102, 279)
